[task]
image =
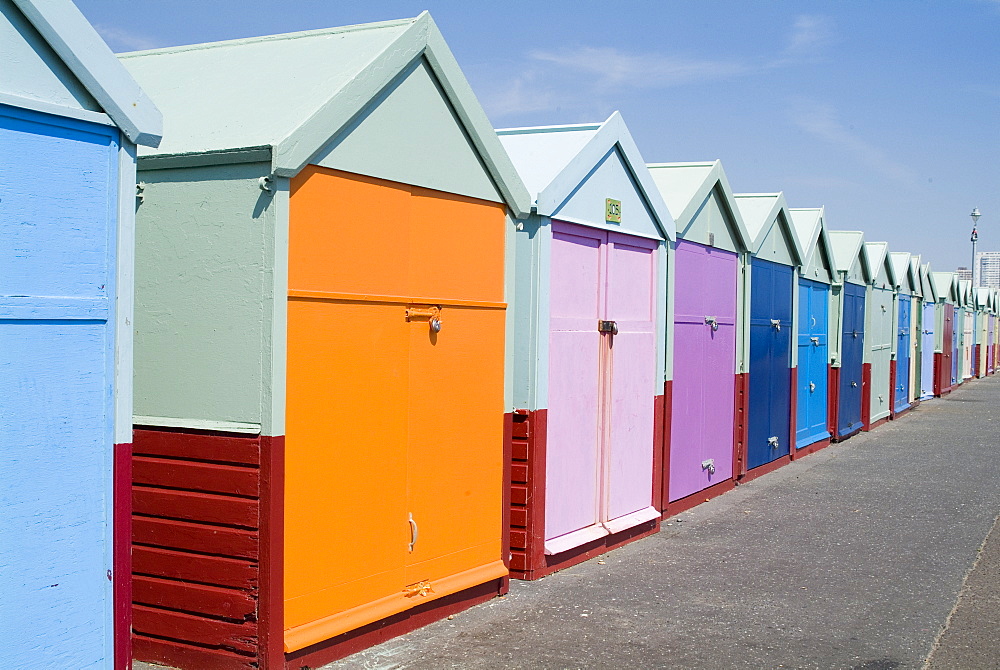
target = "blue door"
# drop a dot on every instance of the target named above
(902, 391)
(852, 352)
(813, 349)
(927, 351)
(58, 191)
(770, 397)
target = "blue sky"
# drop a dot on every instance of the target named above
(887, 112)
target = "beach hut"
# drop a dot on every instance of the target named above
(773, 268)
(984, 304)
(847, 314)
(587, 344)
(813, 428)
(929, 333)
(916, 325)
(967, 341)
(907, 319)
(707, 273)
(946, 291)
(70, 120)
(994, 359)
(880, 338)
(320, 346)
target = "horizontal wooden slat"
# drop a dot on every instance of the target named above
(519, 450)
(198, 537)
(518, 561)
(207, 507)
(518, 495)
(198, 598)
(225, 449)
(520, 429)
(180, 655)
(195, 629)
(231, 572)
(213, 477)
(518, 539)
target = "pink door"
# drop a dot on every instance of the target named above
(599, 456)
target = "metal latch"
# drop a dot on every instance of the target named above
(772, 442)
(421, 588)
(855, 334)
(777, 324)
(712, 321)
(414, 532)
(607, 327)
(854, 384)
(709, 466)
(812, 387)
(432, 314)
(815, 341)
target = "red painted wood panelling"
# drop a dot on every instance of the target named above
(526, 510)
(742, 427)
(199, 504)
(122, 556)
(661, 469)
(866, 396)
(793, 414)
(833, 401)
(892, 389)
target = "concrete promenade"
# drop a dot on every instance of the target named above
(861, 556)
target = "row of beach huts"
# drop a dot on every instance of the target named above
(318, 356)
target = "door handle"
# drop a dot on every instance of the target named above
(812, 387)
(773, 442)
(607, 327)
(815, 341)
(777, 324)
(709, 466)
(414, 532)
(712, 321)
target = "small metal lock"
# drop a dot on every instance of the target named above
(777, 324)
(713, 322)
(772, 442)
(854, 384)
(815, 341)
(435, 325)
(607, 327)
(812, 387)
(708, 466)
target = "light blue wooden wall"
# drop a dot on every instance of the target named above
(58, 208)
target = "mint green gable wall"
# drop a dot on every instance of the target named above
(776, 245)
(204, 315)
(410, 134)
(30, 69)
(527, 312)
(712, 225)
(856, 275)
(819, 266)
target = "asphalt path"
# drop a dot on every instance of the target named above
(869, 555)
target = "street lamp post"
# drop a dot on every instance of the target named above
(975, 238)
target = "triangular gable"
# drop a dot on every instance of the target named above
(902, 268)
(927, 281)
(606, 153)
(770, 226)
(982, 298)
(296, 93)
(965, 292)
(946, 286)
(73, 70)
(883, 274)
(918, 277)
(810, 229)
(700, 199)
(850, 256)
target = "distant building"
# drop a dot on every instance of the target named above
(988, 269)
(964, 273)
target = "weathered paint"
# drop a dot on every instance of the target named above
(203, 293)
(813, 359)
(769, 401)
(852, 351)
(57, 328)
(704, 367)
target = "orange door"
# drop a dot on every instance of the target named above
(393, 492)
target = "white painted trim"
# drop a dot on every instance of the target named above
(125, 293)
(575, 539)
(276, 352)
(631, 520)
(601, 225)
(56, 110)
(196, 424)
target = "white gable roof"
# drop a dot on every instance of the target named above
(759, 210)
(555, 160)
(293, 93)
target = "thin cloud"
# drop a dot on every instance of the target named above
(823, 122)
(807, 42)
(612, 66)
(122, 40)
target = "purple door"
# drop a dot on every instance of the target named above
(701, 436)
(599, 457)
